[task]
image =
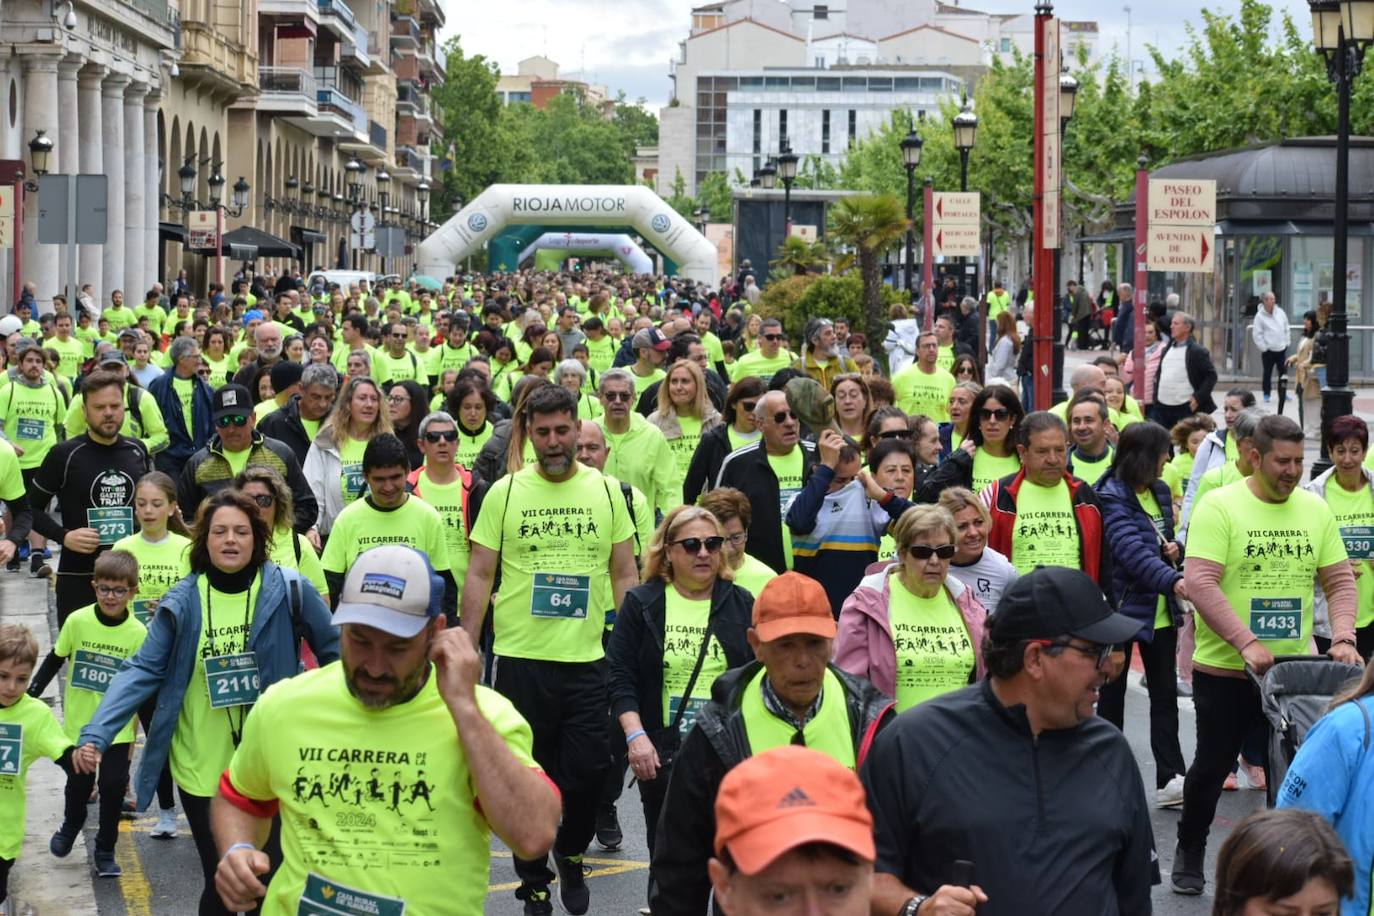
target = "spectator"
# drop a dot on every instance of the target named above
(1185, 378)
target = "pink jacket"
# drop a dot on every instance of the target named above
(863, 645)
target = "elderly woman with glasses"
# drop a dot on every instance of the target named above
(911, 628)
(673, 636)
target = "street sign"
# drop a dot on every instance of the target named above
(201, 234)
(64, 222)
(808, 233)
(1185, 202)
(957, 241)
(957, 208)
(1050, 128)
(1182, 249)
(364, 225)
(391, 241)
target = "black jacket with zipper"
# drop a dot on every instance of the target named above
(678, 883)
(284, 425)
(748, 470)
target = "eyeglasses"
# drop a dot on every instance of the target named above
(925, 551)
(999, 414)
(226, 422)
(264, 500)
(737, 540)
(694, 545)
(614, 396)
(111, 591)
(749, 405)
(783, 415)
(895, 434)
(772, 337)
(397, 399)
(1098, 653)
(444, 435)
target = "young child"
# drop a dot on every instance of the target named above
(28, 730)
(96, 640)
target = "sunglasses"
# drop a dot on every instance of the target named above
(226, 422)
(749, 405)
(694, 545)
(1098, 654)
(447, 435)
(895, 434)
(772, 337)
(264, 500)
(783, 415)
(1000, 414)
(925, 551)
(616, 396)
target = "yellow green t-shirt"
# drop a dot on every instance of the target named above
(362, 526)
(685, 446)
(203, 741)
(644, 381)
(379, 807)
(1046, 532)
(284, 545)
(1355, 517)
(945, 358)
(1212, 478)
(220, 370)
(94, 649)
(470, 446)
(600, 353)
(311, 427)
(387, 368)
(71, 353)
(28, 730)
(684, 627)
(1270, 554)
(753, 575)
(447, 500)
(934, 651)
(11, 481)
(1091, 471)
(185, 391)
(755, 364)
(925, 393)
(739, 439)
(788, 469)
(237, 460)
(1147, 501)
(351, 468)
(988, 467)
(161, 565)
(32, 415)
(1178, 472)
(119, 317)
(555, 542)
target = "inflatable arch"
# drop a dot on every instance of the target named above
(503, 205)
(621, 247)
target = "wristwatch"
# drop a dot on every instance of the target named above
(912, 906)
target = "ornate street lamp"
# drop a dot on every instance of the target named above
(911, 158)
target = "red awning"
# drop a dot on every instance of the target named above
(302, 28)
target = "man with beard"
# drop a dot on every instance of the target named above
(92, 476)
(405, 700)
(820, 356)
(267, 340)
(564, 542)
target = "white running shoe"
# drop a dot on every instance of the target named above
(1171, 795)
(166, 828)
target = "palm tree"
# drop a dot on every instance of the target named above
(798, 256)
(869, 224)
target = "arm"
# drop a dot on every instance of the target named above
(1137, 868)
(1204, 585)
(1206, 373)
(450, 604)
(624, 570)
(519, 802)
(335, 581)
(21, 519)
(189, 494)
(303, 503)
(806, 505)
(1136, 553)
(236, 879)
(313, 472)
(155, 435)
(317, 627)
(680, 886)
(477, 589)
(1342, 600)
(139, 678)
(45, 673)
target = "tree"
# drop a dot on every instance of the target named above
(798, 256)
(471, 109)
(714, 194)
(869, 224)
(679, 200)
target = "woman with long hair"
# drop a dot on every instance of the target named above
(965, 369)
(749, 337)
(853, 404)
(214, 349)
(508, 448)
(738, 429)
(334, 464)
(471, 405)
(289, 550)
(1307, 363)
(989, 452)
(1002, 359)
(684, 412)
(407, 405)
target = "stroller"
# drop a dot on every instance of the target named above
(1294, 694)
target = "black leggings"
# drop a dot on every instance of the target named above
(197, 808)
(1161, 674)
(5, 866)
(1228, 710)
(1271, 360)
(113, 777)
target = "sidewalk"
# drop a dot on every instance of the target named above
(41, 885)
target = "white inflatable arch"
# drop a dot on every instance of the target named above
(503, 205)
(621, 246)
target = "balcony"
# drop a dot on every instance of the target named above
(308, 10)
(431, 11)
(405, 33)
(410, 100)
(406, 67)
(409, 158)
(338, 18)
(371, 148)
(210, 61)
(377, 54)
(376, 135)
(355, 52)
(430, 67)
(341, 112)
(287, 91)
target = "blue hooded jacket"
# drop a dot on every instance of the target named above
(1140, 574)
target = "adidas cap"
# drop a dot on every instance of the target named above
(788, 797)
(392, 588)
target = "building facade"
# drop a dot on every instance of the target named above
(820, 76)
(536, 81)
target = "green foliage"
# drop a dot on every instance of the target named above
(796, 300)
(869, 225)
(713, 194)
(798, 256)
(471, 111)
(679, 200)
(780, 297)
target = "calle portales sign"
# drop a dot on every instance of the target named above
(633, 206)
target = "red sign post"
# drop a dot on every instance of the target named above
(1142, 278)
(1048, 178)
(928, 253)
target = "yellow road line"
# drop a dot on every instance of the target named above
(138, 896)
(611, 867)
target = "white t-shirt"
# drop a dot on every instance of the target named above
(989, 577)
(1174, 387)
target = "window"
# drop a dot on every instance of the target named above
(1005, 46)
(758, 130)
(853, 125)
(820, 63)
(825, 131)
(782, 129)
(827, 84)
(820, 12)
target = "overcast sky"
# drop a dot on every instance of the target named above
(627, 45)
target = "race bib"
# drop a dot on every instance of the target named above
(1276, 618)
(559, 595)
(694, 705)
(785, 495)
(1359, 541)
(232, 680)
(93, 671)
(111, 523)
(323, 897)
(353, 480)
(30, 429)
(11, 748)
(142, 613)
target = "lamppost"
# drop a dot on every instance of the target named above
(911, 157)
(40, 157)
(1341, 31)
(353, 176)
(1068, 99)
(383, 199)
(965, 136)
(787, 171)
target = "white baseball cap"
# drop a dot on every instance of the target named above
(9, 324)
(393, 588)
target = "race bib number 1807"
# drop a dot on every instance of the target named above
(11, 748)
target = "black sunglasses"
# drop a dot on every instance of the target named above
(616, 396)
(1098, 653)
(783, 415)
(694, 545)
(896, 434)
(772, 337)
(265, 500)
(226, 422)
(925, 551)
(748, 405)
(447, 435)
(999, 414)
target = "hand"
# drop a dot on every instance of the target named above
(969, 446)
(1181, 589)
(17, 449)
(829, 444)
(7, 550)
(1116, 664)
(82, 540)
(1171, 551)
(643, 758)
(1112, 432)
(313, 536)
(86, 759)
(871, 488)
(1258, 656)
(954, 901)
(236, 879)
(457, 667)
(1192, 403)
(1345, 652)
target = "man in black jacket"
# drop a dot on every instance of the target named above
(297, 423)
(790, 695)
(1185, 378)
(1046, 798)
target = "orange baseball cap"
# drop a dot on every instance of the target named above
(792, 603)
(787, 797)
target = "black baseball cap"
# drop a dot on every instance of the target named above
(231, 401)
(1052, 602)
